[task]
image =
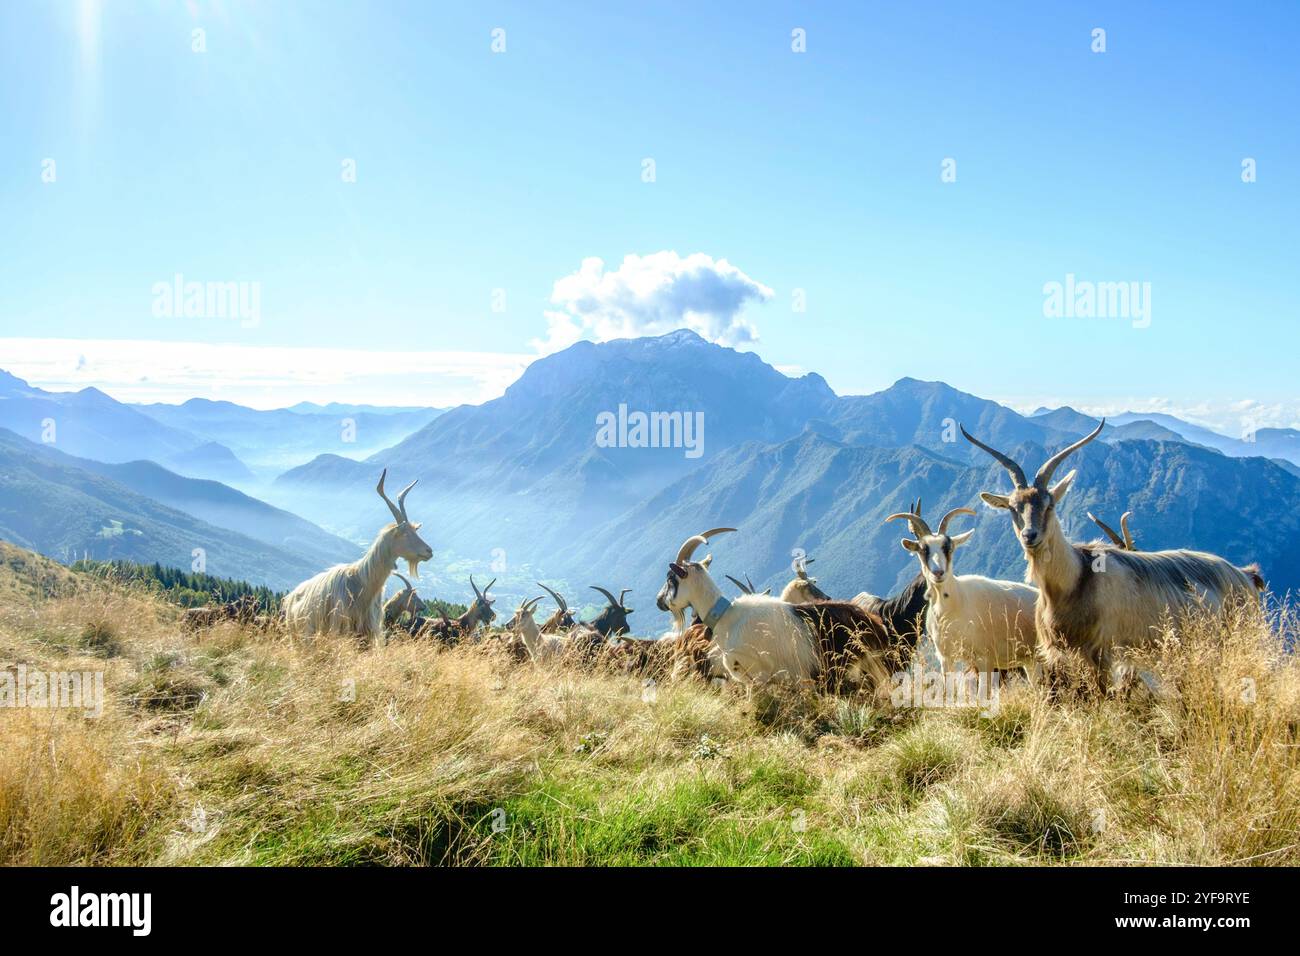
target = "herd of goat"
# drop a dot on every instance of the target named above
(1083, 608)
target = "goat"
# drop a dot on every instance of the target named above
(612, 620)
(763, 639)
(1125, 542)
(1095, 601)
(561, 620)
(267, 622)
(450, 631)
(748, 586)
(345, 599)
(404, 602)
(691, 653)
(803, 589)
(904, 613)
(985, 623)
(243, 610)
(540, 647)
(695, 653)
(198, 618)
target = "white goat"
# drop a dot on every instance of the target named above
(540, 647)
(1097, 600)
(763, 639)
(982, 622)
(345, 599)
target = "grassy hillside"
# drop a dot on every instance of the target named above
(238, 748)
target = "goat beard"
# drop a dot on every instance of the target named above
(413, 567)
(679, 622)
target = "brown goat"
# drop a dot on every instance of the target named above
(561, 620)
(243, 610)
(803, 589)
(449, 631)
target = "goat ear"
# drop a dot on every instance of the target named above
(708, 559)
(910, 545)
(959, 539)
(417, 526)
(995, 501)
(677, 569)
(1059, 489)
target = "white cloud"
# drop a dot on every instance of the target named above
(259, 376)
(652, 295)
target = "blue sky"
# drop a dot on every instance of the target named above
(818, 171)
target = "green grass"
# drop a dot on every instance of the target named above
(720, 817)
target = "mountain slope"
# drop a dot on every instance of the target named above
(225, 507)
(210, 460)
(927, 414)
(51, 504)
(830, 500)
(526, 469)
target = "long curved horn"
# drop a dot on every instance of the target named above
(919, 528)
(477, 593)
(1017, 473)
(1045, 473)
(943, 522)
(489, 586)
(404, 581)
(1110, 532)
(621, 595)
(1123, 526)
(559, 601)
(397, 515)
(740, 584)
(608, 597)
(529, 607)
(690, 544)
(401, 499)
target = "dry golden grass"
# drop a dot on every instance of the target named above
(232, 747)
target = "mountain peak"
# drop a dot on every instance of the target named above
(909, 385)
(12, 383)
(682, 337)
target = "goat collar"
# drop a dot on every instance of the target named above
(715, 613)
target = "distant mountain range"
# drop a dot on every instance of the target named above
(67, 507)
(556, 480)
(1273, 443)
(89, 423)
(269, 442)
(342, 408)
(522, 484)
(201, 438)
